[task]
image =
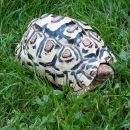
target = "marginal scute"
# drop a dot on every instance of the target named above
(65, 50)
(56, 19)
(33, 40)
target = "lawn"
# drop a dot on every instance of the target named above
(27, 102)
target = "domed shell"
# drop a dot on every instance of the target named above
(65, 50)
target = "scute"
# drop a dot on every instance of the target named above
(65, 50)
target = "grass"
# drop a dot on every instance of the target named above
(27, 102)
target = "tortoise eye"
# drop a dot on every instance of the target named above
(104, 74)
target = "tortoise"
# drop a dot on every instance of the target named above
(66, 51)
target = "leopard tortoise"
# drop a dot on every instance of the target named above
(65, 51)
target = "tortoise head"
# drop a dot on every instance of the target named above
(104, 72)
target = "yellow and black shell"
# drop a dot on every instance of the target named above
(65, 50)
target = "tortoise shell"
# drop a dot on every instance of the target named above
(65, 50)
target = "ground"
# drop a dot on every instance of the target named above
(29, 102)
